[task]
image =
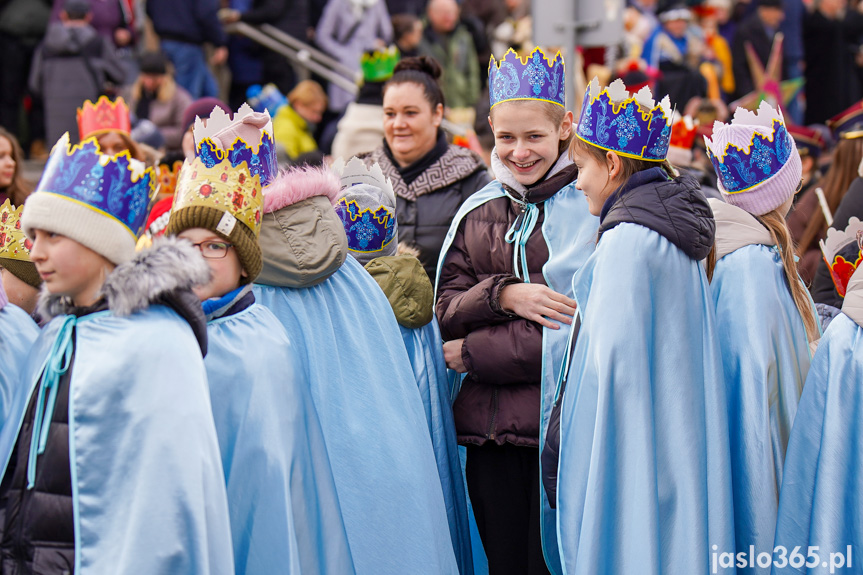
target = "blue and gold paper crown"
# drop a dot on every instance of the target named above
(751, 149)
(117, 186)
(536, 78)
(633, 126)
(258, 154)
(369, 230)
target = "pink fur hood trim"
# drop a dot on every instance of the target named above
(296, 184)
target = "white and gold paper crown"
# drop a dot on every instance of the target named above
(14, 244)
(229, 189)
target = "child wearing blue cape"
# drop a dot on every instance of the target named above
(18, 331)
(285, 514)
(503, 293)
(348, 350)
(819, 511)
(17, 273)
(366, 206)
(644, 479)
(764, 316)
(109, 453)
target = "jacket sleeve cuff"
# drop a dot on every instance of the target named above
(494, 302)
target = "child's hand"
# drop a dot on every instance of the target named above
(452, 355)
(539, 303)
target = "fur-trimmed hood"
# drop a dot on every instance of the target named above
(162, 275)
(302, 238)
(3, 299)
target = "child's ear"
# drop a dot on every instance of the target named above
(244, 273)
(614, 165)
(566, 126)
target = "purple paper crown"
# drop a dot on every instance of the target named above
(536, 78)
(633, 126)
(369, 230)
(749, 150)
(118, 186)
(261, 163)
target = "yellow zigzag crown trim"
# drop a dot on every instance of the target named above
(14, 245)
(222, 187)
(524, 60)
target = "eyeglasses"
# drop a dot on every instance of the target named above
(214, 250)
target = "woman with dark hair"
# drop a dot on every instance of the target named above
(13, 186)
(431, 177)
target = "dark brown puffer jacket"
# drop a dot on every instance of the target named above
(500, 398)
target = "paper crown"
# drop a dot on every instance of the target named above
(379, 65)
(119, 186)
(369, 228)
(633, 126)
(14, 244)
(847, 120)
(744, 158)
(166, 176)
(103, 116)
(355, 172)
(536, 78)
(809, 142)
(224, 187)
(245, 139)
(683, 133)
(842, 253)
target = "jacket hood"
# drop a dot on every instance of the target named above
(67, 40)
(407, 287)
(302, 239)
(162, 275)
(736, 228)
(674, 208)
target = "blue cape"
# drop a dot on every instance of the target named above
(148, 490)
(765, 355)
(18, 331)
(351, 354)
(570, 234)
(822, 483)
(285, 515)
(426, 354)
(644, 483)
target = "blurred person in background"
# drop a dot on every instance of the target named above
(22, 27)
(407, 34)
(347, 29)
(13, 186)
(294, 124)
(156, 97)
(183, 28)
(450, 42)
(74, 63)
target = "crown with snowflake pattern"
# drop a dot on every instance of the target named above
(14, 244)
(634, 126)
(534, 78)
(842, 253)
(103, 116)
(118, 186)
(247, 138)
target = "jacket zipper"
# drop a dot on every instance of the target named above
(490, 434)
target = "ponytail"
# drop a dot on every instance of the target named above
(775, 224)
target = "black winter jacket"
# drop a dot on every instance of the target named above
(426, 207)
(677, 210)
